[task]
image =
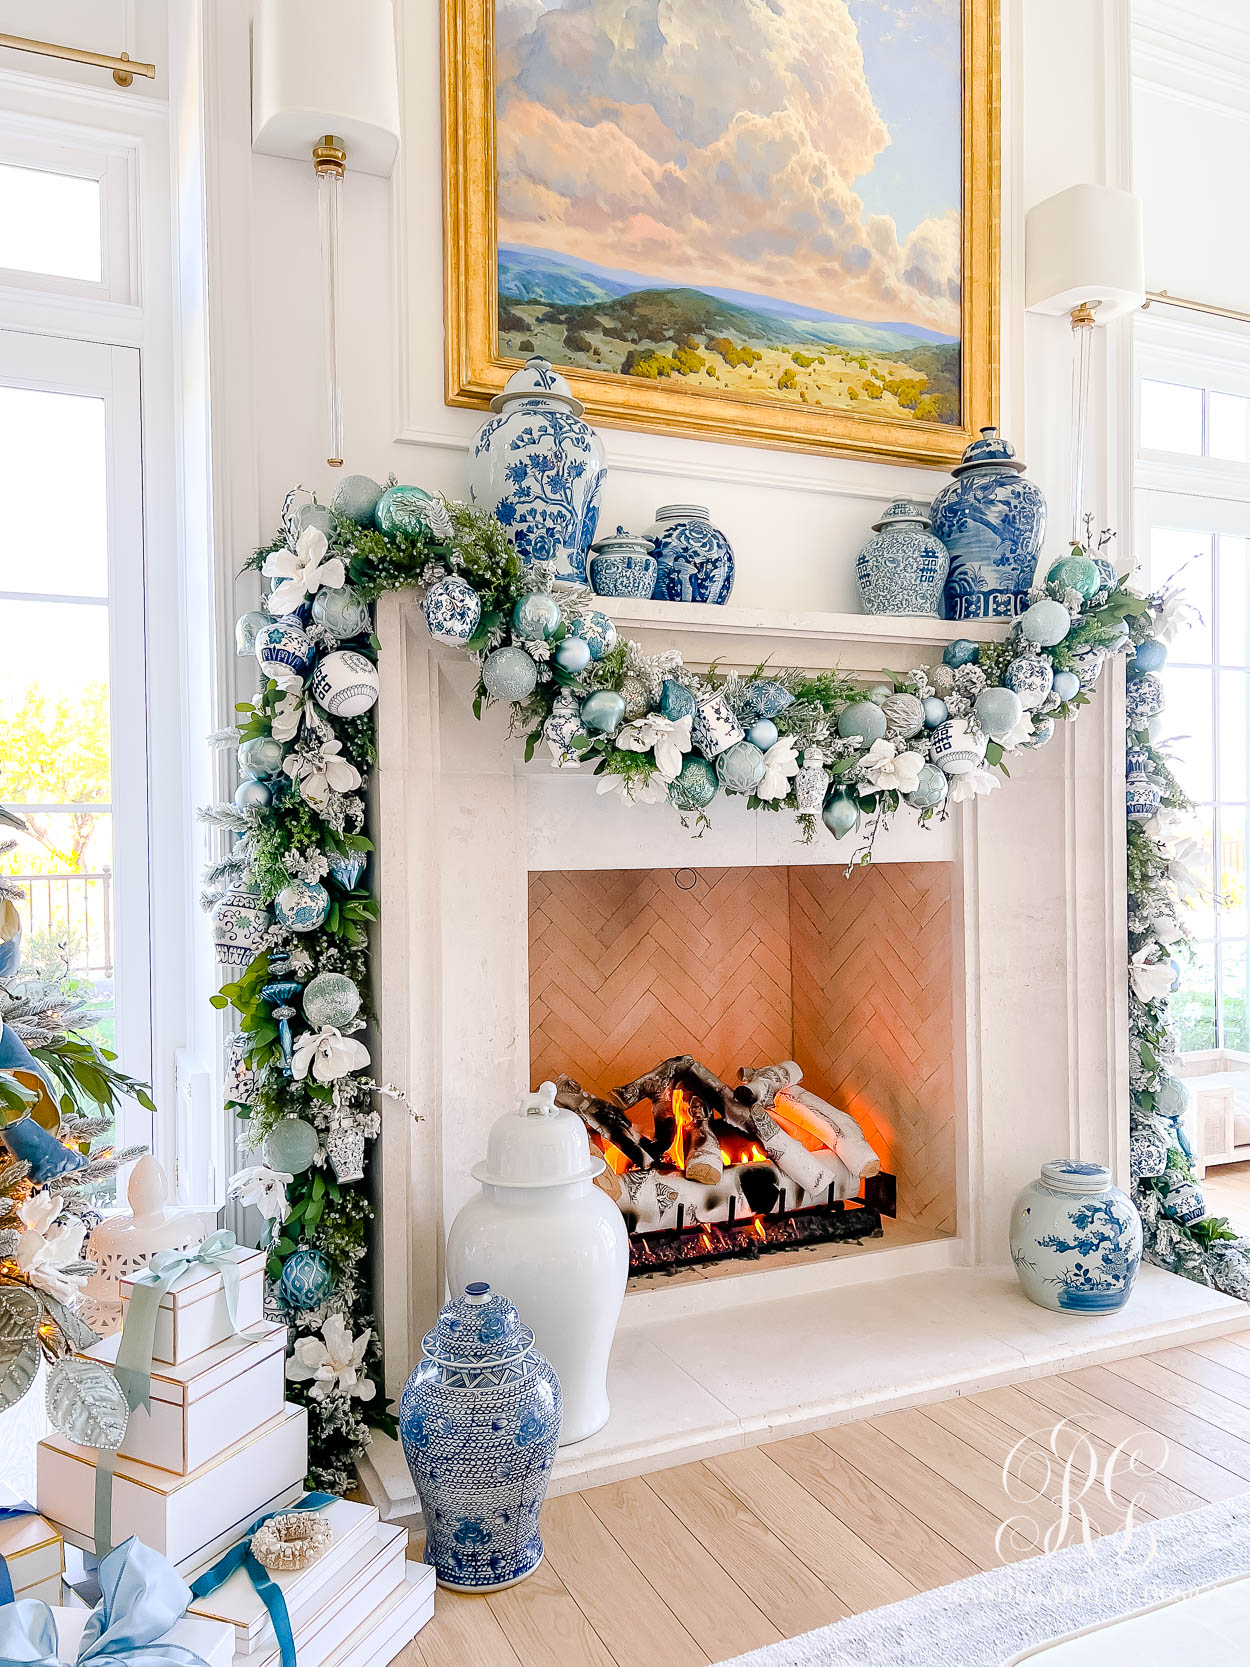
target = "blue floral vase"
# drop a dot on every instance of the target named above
(696, 563)
(480, 1421)
(902, 569)
(622, 565)
(540, 470)
(1076, 1240)
(992, 522)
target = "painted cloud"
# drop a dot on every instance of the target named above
(712, 143)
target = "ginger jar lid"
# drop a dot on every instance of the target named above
(621, 543)
(1074, 1175)
(477, 1329)
(537, 380)
(538, 1145)
(991, 448)
(901, 511)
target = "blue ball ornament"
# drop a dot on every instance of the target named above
(930, 790)
(302, 905)
(306, 1281)
(401, 509)
(936, 712)
(598, 631)
(1067, 685)
(573, 654)
(318, 516)
(509, 674)
(880, 693)
(1046, 623)
(863, 720)
(695, 786)
(603, 712)
(763, 734)
(356, 498)
(1150, 656)
(535, 616)
(962, 652)
(246, 629)
(261, 756)
(998, 711)
(740, 767)
(291, 1145)
(252, 795)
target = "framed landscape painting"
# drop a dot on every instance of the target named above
(773, 222)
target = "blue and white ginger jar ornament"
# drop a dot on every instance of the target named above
(480, 1421)
(1076, 1240)
(902, 568)
(1143, 794)
(540, 469)
(694, 558)
(452, 609)
(992, 522)
(240, 921)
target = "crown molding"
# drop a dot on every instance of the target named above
(1203, 60)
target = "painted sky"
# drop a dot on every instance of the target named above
(806, 150)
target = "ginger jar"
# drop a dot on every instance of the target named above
(1076, 1240)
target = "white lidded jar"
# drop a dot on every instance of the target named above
(553, 1243)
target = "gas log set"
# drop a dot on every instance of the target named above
(702, 1171)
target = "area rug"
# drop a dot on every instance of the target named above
(988, 1619)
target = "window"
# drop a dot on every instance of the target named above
(50, 223)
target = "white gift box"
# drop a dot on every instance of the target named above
(236, 1602)
(193, 1314)
(34, 1552)
(189, 1519)
(207, 1639)
(211, 1402)
(393, 1625)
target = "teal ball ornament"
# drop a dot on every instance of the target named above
(962, 652)
(535, 616)
(841, 814)
(400, 509)
(603, 713)
(930, 790)
(763, 734)
(291, 1145)
(332, 999)
(1149, 656)
(1075, 573)
(676, 700)
(880, 693)
(306, 1280)
(572, 655)
(302, 905)
(695, 786)
(246, 629)
(261, 756)
(1067, 685)
(1046, 623)
(252, 795)
(1171, 1097)
(998, 711)
(318, 516)
(598, 631)
(509, 674)
(740, 767)
(863, 720)
(343, 613)
(356, 499)
(936, 712)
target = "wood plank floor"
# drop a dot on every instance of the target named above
(703, 1562)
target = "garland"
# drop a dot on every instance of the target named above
(817, 745)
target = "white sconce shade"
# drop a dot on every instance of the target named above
(1084, 246)
(320, 67)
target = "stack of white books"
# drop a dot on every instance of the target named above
(218, 1447)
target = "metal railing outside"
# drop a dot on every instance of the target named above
(75, 910)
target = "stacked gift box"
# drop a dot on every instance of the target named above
(218, 1447)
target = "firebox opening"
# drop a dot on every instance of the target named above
(764, 1056)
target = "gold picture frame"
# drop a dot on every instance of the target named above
(476, 370)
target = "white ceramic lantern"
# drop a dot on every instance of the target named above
(545, 1236)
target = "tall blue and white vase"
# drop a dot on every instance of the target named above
(1143, 794)
(540, 469)
(695, 559)
(1076, 1240)
(480, 1422)
(992, 522)
(902, 568)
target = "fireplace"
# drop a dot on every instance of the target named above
(763, 1055)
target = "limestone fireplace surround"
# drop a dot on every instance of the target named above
(1035, 1030)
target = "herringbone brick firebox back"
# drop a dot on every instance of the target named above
(850, 977)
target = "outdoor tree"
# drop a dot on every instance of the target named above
(56, 751)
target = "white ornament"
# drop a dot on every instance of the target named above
(345, 683)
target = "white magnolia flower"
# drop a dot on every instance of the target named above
(45, 1251)
(781, 765)
(1020, 732)
(1183, 869)
(633, 789)
(1150, 979)
(303, 571)
(668, 738)
(971, 784)
(328, 1053)
(1174, 614)
(1167, 929)
(264, 1187)
(332, 1362)
(287, 716)
(883, 767)
(322, 772)
(39, 1211)
(1168, 827)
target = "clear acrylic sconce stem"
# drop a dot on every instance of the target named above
(329, 191)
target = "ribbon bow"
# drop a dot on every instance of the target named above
(267, 1589)
(142, 1596)
(11, 1513)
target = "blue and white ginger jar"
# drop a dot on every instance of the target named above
(622, 565)
(1143, 794)
(992, 522)
(480, 1421)
(540, 469)
(1076, 1240)
(902, 569)
(696, 562)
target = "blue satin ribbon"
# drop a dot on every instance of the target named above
(142, 1597)
(11, 1513)
(267, 1589)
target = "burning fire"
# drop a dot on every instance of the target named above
(734, 1149)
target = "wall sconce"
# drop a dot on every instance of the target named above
(325, 88)
(1083, 257)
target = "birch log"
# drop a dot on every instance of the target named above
(657, 1083)
(815, 1172)
(606, 1120)
(838, 1128)
(758, 1083)
(653, 1197)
